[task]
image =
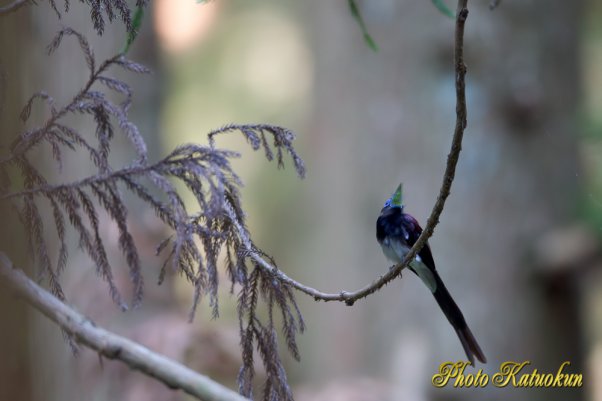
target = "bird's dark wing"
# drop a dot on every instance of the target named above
(413, 231)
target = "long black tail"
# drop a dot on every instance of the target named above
(456, 318)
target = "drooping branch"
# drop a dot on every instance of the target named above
(450, 170)
(110, 345)
(196, 239)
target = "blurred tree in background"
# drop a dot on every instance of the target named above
(16, 365)
(527, 180)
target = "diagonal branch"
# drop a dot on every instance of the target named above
(14, 6)
(112, 346)
(450, 170)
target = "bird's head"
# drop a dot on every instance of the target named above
(396, 200)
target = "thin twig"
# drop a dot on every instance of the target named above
(14, 6)
(112, 346)
(450, 170)
(125, 172)
(22, 146)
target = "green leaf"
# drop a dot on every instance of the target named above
(445, 10)
(355, 12)
(136, 23)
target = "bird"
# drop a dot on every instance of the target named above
(397, 232)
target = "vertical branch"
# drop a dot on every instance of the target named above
(450, 168)
(461, 122)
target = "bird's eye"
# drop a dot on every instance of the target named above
(387, 203)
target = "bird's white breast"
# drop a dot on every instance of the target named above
(396, 252)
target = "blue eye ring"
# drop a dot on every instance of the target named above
(387, 203)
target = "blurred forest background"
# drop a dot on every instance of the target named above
(519, 240)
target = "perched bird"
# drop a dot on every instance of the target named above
(396, 232)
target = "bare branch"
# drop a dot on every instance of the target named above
(110, 345)
(14, 6)
(450, 170)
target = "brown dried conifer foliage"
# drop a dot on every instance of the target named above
(197, 238)
(101, 9)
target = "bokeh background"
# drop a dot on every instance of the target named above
(518, 243)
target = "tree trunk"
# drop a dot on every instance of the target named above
(15, 374)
